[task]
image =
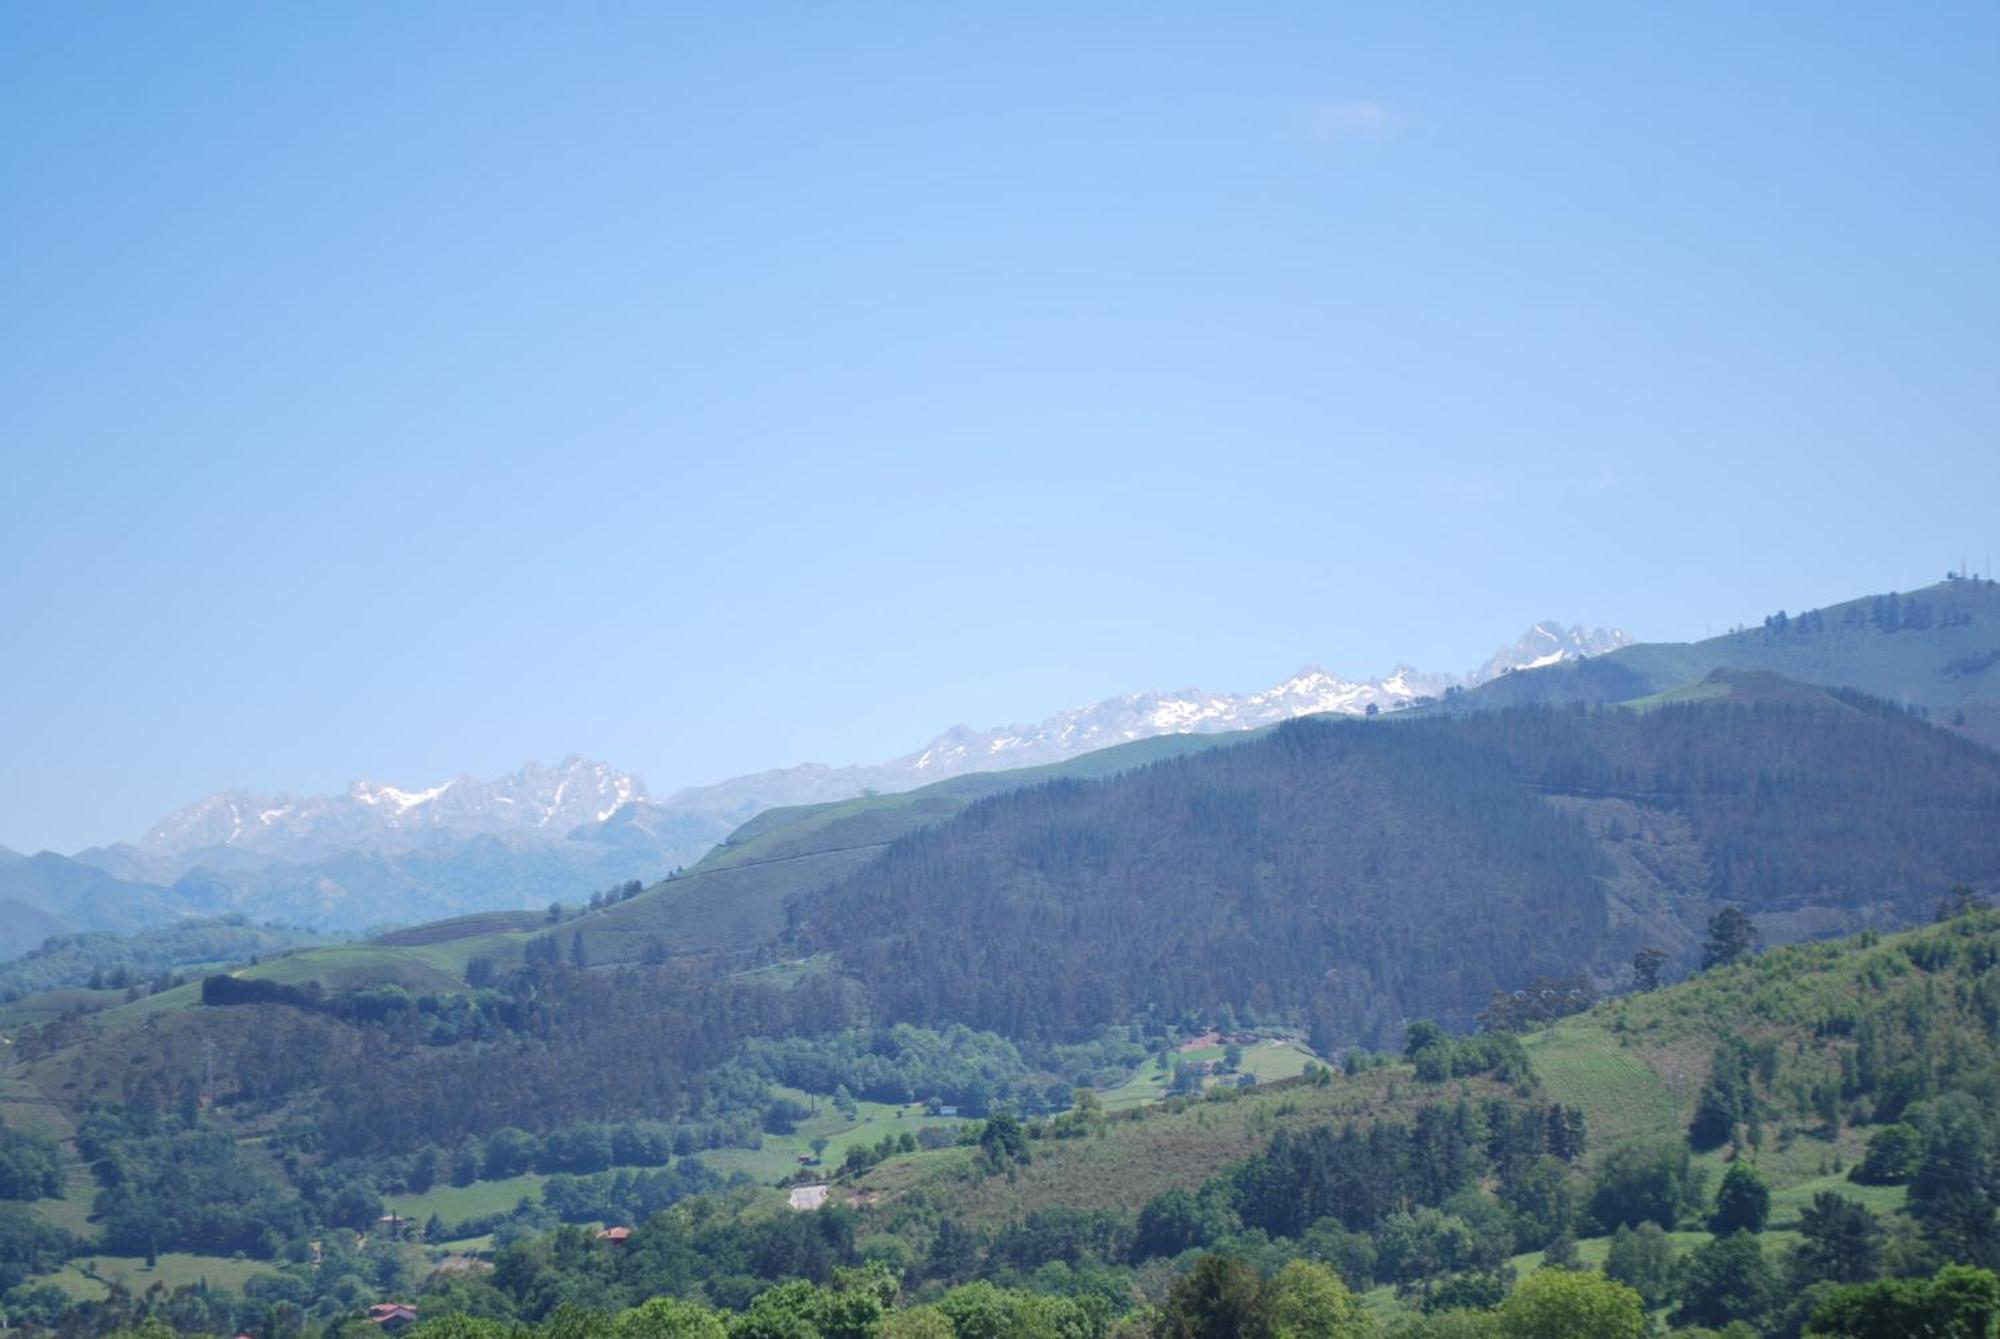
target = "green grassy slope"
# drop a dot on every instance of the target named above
(347, 966)
(1634, 1065)
(1141, 1151)
(1950, 666)
(90, 1278)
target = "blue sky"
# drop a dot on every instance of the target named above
(401, 390)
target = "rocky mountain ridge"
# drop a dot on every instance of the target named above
(379, 853)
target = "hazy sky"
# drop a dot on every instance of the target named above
(401, 390)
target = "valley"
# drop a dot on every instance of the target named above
(1072, 1030)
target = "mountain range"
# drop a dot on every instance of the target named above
(535, 800)
(1941, 669)
(1331, 887)
(1120, 720)
(379, 853)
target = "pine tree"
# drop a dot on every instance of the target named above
(1743, 1202)
(1731, 938)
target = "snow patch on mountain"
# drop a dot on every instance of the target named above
(1310, 692)
(381, 851)
(1548, 643)
(373, 815)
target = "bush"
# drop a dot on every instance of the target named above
(1555, 1304)
(783, 1115)
(1958, 1301)
(1643, 1183)
(1894, 1154)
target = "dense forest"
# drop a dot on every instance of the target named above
(1352, 874)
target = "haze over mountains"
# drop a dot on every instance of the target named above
(1932, 656)
(379, 853)
(1120, 720)
(534, 799)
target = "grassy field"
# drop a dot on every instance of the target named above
(455, 1204)
(1787, 1202)
(1267, 1061)
(71, 1213)
(1277, 1059)
(725, 907)
(418, 968)
(779, 1156)
(24, 1106)
(88, 1277)
(185, 996)
(346, 966)
(53, 1004)
(467, 1245)
(1135, 1154)
(1582, 1064)
(1146, 1086)
(461, 927)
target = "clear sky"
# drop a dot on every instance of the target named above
(403, 390)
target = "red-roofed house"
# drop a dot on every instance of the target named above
(392, 1316)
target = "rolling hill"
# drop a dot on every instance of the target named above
(1936, 650)
(1852, 1036)
(1362, 872)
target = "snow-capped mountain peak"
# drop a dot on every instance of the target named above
(1313, 690)
(579, 798)
(1119, 720)
(1547, 643)
(373, 814)
(368, 793)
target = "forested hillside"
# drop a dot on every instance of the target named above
(1351, 874)
(735, 899)
(1798, 1142)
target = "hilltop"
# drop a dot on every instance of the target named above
(1935, 650)
(1356, 874)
